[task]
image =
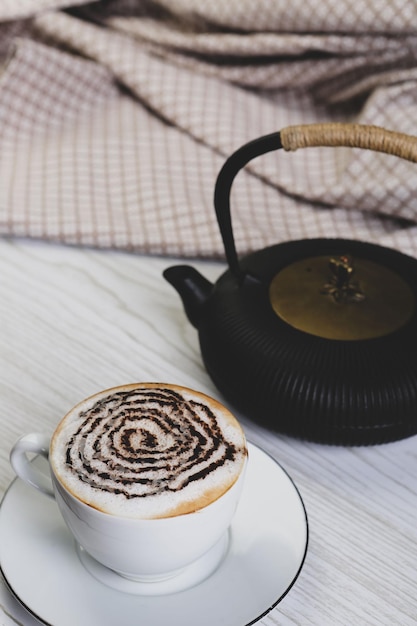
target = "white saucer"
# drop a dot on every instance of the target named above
(267, 547)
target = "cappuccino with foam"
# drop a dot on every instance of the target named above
(148, 451)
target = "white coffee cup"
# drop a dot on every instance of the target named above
(139, 549)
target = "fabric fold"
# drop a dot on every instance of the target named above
(116, 117)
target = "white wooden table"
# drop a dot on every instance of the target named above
(74, 321)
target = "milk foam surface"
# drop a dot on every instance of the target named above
(148, 450)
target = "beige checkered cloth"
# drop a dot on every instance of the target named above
(116, 117)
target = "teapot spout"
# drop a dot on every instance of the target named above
(192, 287)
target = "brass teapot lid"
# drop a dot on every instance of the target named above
(341, 297)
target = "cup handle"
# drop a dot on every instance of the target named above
(29, 473)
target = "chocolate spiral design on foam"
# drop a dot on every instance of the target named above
(143, 442)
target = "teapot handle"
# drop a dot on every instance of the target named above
(290, 139)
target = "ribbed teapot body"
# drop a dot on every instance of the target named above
(348, 392)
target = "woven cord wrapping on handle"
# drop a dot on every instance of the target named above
(351, 135)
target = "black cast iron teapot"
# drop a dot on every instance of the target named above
(315, 338)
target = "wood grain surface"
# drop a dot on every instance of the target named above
(75, 321)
